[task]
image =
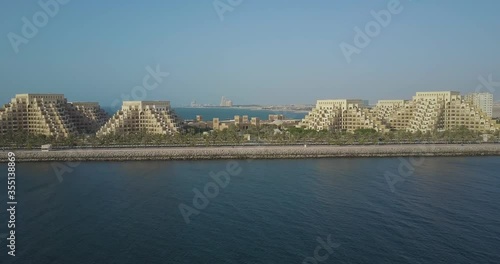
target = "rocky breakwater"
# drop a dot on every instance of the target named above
(260, 152)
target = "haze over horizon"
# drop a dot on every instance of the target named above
(279, 52)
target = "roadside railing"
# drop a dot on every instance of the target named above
(243, 144)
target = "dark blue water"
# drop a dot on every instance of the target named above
(272, 211)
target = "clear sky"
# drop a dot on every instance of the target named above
(263, 51)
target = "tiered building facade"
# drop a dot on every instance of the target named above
(482, 100)
(50, 115)
(88, 116)
(155, 117)
(53, 115)
(426, 112)
(342, 114)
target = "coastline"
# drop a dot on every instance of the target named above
(254, 152)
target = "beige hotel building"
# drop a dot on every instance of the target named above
(426, 112)
(482, 100)
(50, 115)
(154, 117)
(240, 122)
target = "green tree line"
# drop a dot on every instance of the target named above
(232, 136)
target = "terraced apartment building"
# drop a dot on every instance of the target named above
(342, 114)
(482, 100)
(155, 117)
(426, 112)
(50, 115)
(88, 116)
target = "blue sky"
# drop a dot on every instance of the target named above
(267, 52)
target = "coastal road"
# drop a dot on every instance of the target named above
(255, 152)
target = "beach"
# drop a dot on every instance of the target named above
(253, 152)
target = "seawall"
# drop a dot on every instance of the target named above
(255, 152)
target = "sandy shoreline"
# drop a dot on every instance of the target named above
(254, 152)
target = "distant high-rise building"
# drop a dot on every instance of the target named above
(224, 102)
(195, 104)
(482, 100)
